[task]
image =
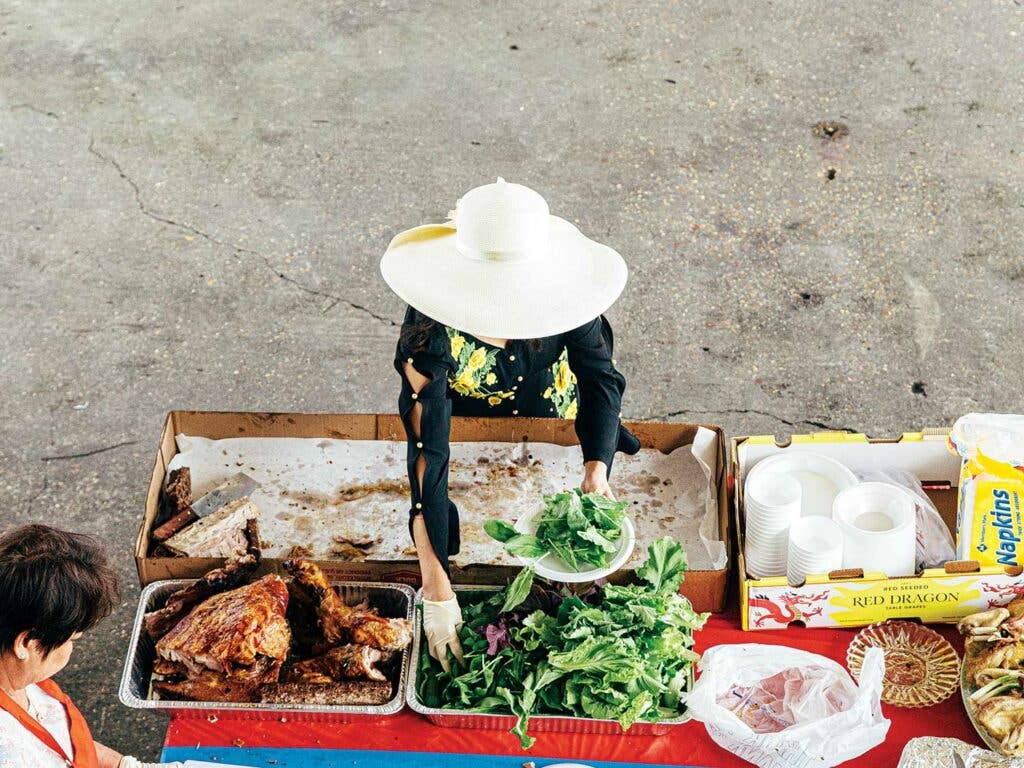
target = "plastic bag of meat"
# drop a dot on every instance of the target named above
(778, 707)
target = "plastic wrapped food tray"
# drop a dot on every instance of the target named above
(455, 718)
(392, 600)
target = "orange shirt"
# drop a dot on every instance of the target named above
(81, 739)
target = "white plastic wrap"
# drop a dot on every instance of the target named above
(935, 545)
(779, 707)
(999, 436)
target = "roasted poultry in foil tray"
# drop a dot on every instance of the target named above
(228, 637)
(993, 675)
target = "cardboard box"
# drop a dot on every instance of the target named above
(852, 598)
(705, 589)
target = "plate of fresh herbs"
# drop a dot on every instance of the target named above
(573, 537)
(620, 653)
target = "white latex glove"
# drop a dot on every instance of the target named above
(441, 622)
(130, 762)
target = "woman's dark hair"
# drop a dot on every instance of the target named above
(415, 336)
(53, 584)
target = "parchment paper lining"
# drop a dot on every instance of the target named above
(349, 498)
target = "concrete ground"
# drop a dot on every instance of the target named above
(820, 203)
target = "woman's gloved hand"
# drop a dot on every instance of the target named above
(441, 622)
(130, 762)
(595, 479)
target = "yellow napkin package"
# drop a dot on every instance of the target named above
(990, 510)
(990, 520)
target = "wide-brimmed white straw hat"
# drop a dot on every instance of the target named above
(504, 267)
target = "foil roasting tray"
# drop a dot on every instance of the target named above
(457, 718)
(391, 600)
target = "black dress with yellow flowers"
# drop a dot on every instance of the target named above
(571, 375)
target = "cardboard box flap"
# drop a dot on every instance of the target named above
(924, 456)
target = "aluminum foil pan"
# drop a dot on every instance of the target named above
(392, 600)
(455, 718)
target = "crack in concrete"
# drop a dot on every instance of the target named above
(93, 452)
(334, 299)
(754, 411)
(37, 110)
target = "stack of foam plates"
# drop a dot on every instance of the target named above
(779, 490)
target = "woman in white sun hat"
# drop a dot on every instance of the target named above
(504, 319)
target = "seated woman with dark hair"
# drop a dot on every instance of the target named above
(54, 586)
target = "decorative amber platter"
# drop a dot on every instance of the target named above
(921, 667)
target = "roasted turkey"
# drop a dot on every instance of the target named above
(159, 622)
(341, 624)
(344, 662)
(233, 640)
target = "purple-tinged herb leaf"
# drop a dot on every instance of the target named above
(497, 636)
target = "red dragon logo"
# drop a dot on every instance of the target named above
(1001, 595)
(788, 607)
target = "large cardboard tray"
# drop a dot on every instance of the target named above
(852, 598)
(705, 589)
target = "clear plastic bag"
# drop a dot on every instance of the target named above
(991, 497)
(997, 436)
(935, 545)
(778, 707)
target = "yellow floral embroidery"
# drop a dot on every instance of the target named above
(562, 375)
(457, 342)
(477, 359)
(465, 382)
(562, 393)
(474, 369)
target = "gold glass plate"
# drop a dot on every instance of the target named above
(921, 667)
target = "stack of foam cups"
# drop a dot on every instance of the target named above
(772, 504)
(815, 548)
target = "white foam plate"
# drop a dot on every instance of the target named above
(821, 478)
(552, 567)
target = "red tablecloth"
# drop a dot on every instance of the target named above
(686, 745)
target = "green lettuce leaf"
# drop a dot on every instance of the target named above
(518, 590)
(526, 546)
(665, 566)
(500, 530)
(594, 537)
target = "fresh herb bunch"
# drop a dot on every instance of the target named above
(620, 653)
(580, 528)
